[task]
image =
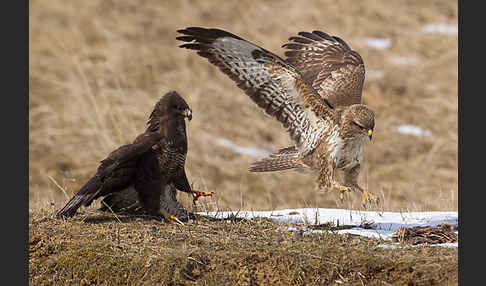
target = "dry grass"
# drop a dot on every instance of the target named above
(97, 68)
(94, 249)
(443, 233)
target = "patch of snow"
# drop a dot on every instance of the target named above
(398, 245)
(414, 130)
(253, 152)
(372, 74)
(455, 244)
(377, 43)
(440, 29)
(404, 60)
(384, 224)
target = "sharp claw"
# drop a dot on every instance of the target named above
(341, 195)
(197, 195)
(342, 190)
(175, 219)
(171, 218)
(369, 198)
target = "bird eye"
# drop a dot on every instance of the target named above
(361, 127)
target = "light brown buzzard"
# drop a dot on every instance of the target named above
(315, 93)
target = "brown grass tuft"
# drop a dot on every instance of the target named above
(443, 233)
(99, 249)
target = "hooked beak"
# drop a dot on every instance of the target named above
(370, 133)
(187, 113)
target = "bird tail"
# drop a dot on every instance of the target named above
(283, 159)
(84, 196)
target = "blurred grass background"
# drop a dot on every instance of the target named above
(96, 69)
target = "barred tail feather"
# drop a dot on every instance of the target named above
(283, 159)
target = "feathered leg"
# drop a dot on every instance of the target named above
(351, 179)
(182, 184)
(327, 179)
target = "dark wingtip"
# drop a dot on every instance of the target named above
(308, 35)
(323, 35)
(203, 35)
(191, 46)
(189, 30)
(185, 38)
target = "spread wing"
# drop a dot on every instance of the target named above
(328, 65)
(268, 80)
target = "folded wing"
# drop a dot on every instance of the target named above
(114, 173)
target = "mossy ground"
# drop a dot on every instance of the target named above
(95, 248)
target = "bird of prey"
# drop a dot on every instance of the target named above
(315, 93)
(154, 160)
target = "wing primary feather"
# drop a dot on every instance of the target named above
(300, 40)
(329, 65)
(266, 78)
(323, 35)
(310, 36)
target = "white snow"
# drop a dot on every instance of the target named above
(404, 60)
(440, 29)
(414, 130)
(377, 43)
(398, 245)
(250, 151)
(384, 224)
(373, 74)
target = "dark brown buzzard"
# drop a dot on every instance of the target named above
(153, 161)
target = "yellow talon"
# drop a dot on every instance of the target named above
(369, 197)
(342, 189)
(171, 218)
(341, 195)
(201, 194)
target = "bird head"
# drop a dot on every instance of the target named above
(177, 105)
(170, 105)
(358, 119)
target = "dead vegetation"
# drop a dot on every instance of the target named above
(442, 233)
(100, 249)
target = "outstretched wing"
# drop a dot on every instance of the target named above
(328, 65)
(269, 81)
